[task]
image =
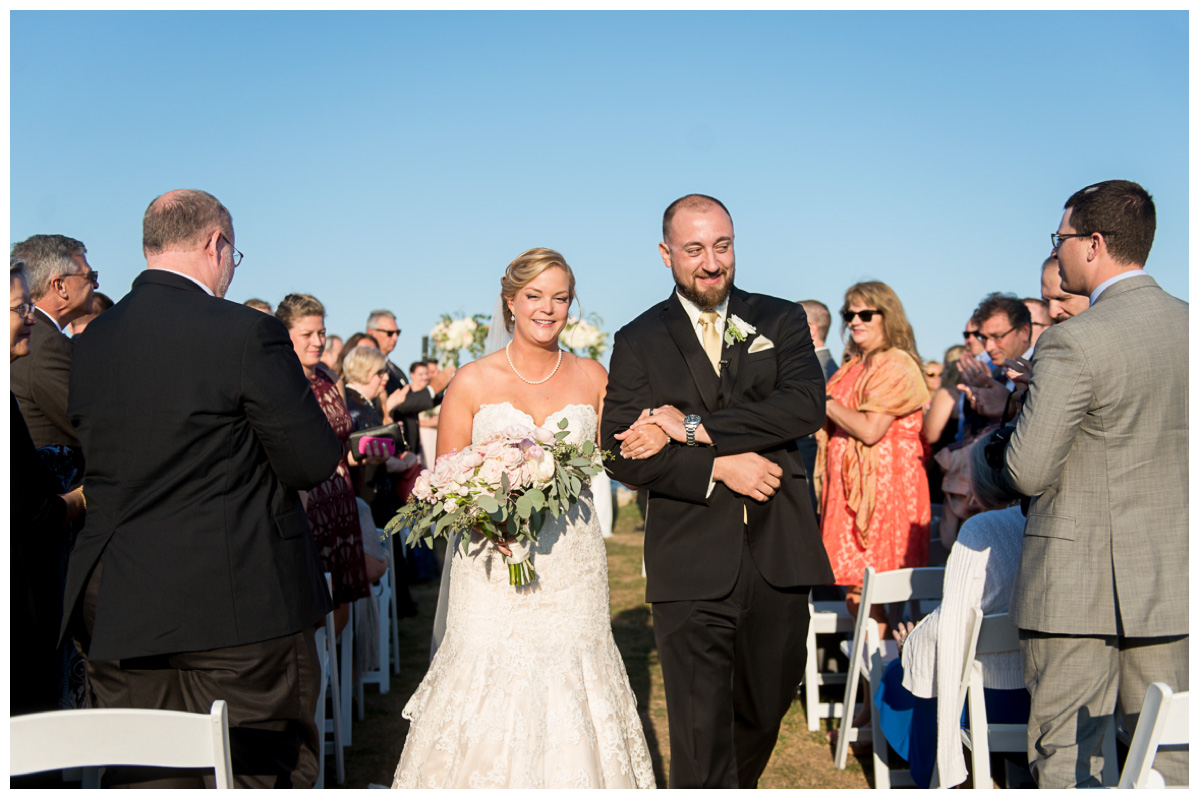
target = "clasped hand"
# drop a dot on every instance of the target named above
(747, 474)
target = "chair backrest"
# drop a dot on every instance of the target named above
(993, 633)
(893, 586)
(1163, 721)
(133, 736)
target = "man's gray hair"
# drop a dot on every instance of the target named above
(46, 257)
(378, 314)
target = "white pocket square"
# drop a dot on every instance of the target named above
(761, 343)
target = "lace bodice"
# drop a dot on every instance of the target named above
(495, 417)
(528, 688)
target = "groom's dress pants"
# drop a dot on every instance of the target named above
(730, 668)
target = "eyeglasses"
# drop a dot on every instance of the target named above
(390, 334)
(93, 276)
(1057, 239)
(937, 374)
(983, 337)
(237, 254)
(969, 334)
(23, 310)
(866, 315)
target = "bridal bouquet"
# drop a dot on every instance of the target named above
(504, 486)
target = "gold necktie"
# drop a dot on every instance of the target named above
(710, 339)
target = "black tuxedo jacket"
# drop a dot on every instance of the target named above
(198, 428)
(762, 403)
(40, 383)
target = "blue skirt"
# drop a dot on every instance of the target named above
(909, 723)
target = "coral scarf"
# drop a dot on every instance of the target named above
(891, 383)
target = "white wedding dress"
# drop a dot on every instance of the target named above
(528, 689)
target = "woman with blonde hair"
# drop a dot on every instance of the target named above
(527, 687)
(870, 462)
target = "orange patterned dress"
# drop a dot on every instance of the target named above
(875, 500)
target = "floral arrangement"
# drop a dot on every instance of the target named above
(584, 338)
(504, 486)
(451, 335)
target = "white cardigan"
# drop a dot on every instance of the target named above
(979, 573)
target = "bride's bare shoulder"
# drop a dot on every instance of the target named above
(471, 379)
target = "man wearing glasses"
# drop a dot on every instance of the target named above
(195, 577)
(382, 327)
(61, 284)
(1101, 447)
(1005, 330)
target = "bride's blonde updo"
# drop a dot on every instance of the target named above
(524, 268)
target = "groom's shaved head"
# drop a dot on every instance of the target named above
(690, 202)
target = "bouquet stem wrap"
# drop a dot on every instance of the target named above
(520, 564)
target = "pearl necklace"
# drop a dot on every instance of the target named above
(522, 377)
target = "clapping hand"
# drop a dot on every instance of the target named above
(1019, 370)
(974, 372)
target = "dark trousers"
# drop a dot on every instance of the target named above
(730, 668)
(270, 687)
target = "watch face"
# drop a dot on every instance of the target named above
(691, 419)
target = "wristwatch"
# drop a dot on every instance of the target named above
(690, 423)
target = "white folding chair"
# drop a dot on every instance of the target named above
(869, 655)
(1163, 722)
(327, 654)
(96, 737)
(824, 617)
(994, 633)
(379, 673)
(344, 678)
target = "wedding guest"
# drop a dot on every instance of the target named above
(62, 284)
(818, 327)
(364, 372)
(918, 721)
(259, 305)
(941, 420)
(330, 505)
(870, 467)
(100, 303)
(195, 577)
(333, 351)
(357, 340)
(1039, 316)
(38, 514)
(1101, 447)
(933, 375)
(1062, 304)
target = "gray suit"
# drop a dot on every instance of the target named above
(1101, 597)
(40, 383)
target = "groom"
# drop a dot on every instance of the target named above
(732, 545)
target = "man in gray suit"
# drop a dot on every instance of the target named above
(1101, 597)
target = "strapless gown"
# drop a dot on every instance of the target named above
(528, 689)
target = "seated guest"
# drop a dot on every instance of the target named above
(357, 340)
(38, 516)
(979, 574)
(364, 373)
(331, 508)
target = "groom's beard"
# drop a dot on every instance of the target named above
(710, 298)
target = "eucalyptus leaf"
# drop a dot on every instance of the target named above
(536, 497)
(562, 424)
(588, 447)
(562, 435)
(487, 503)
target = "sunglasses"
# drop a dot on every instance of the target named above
(866, 315)
(389, 333)
(933, 374)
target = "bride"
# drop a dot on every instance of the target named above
(527, 689)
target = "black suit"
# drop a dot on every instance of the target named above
(40, 383)
(199, 427)
(730, 674)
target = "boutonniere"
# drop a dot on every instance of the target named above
(737, 329)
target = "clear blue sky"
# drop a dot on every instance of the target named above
(403, 159)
